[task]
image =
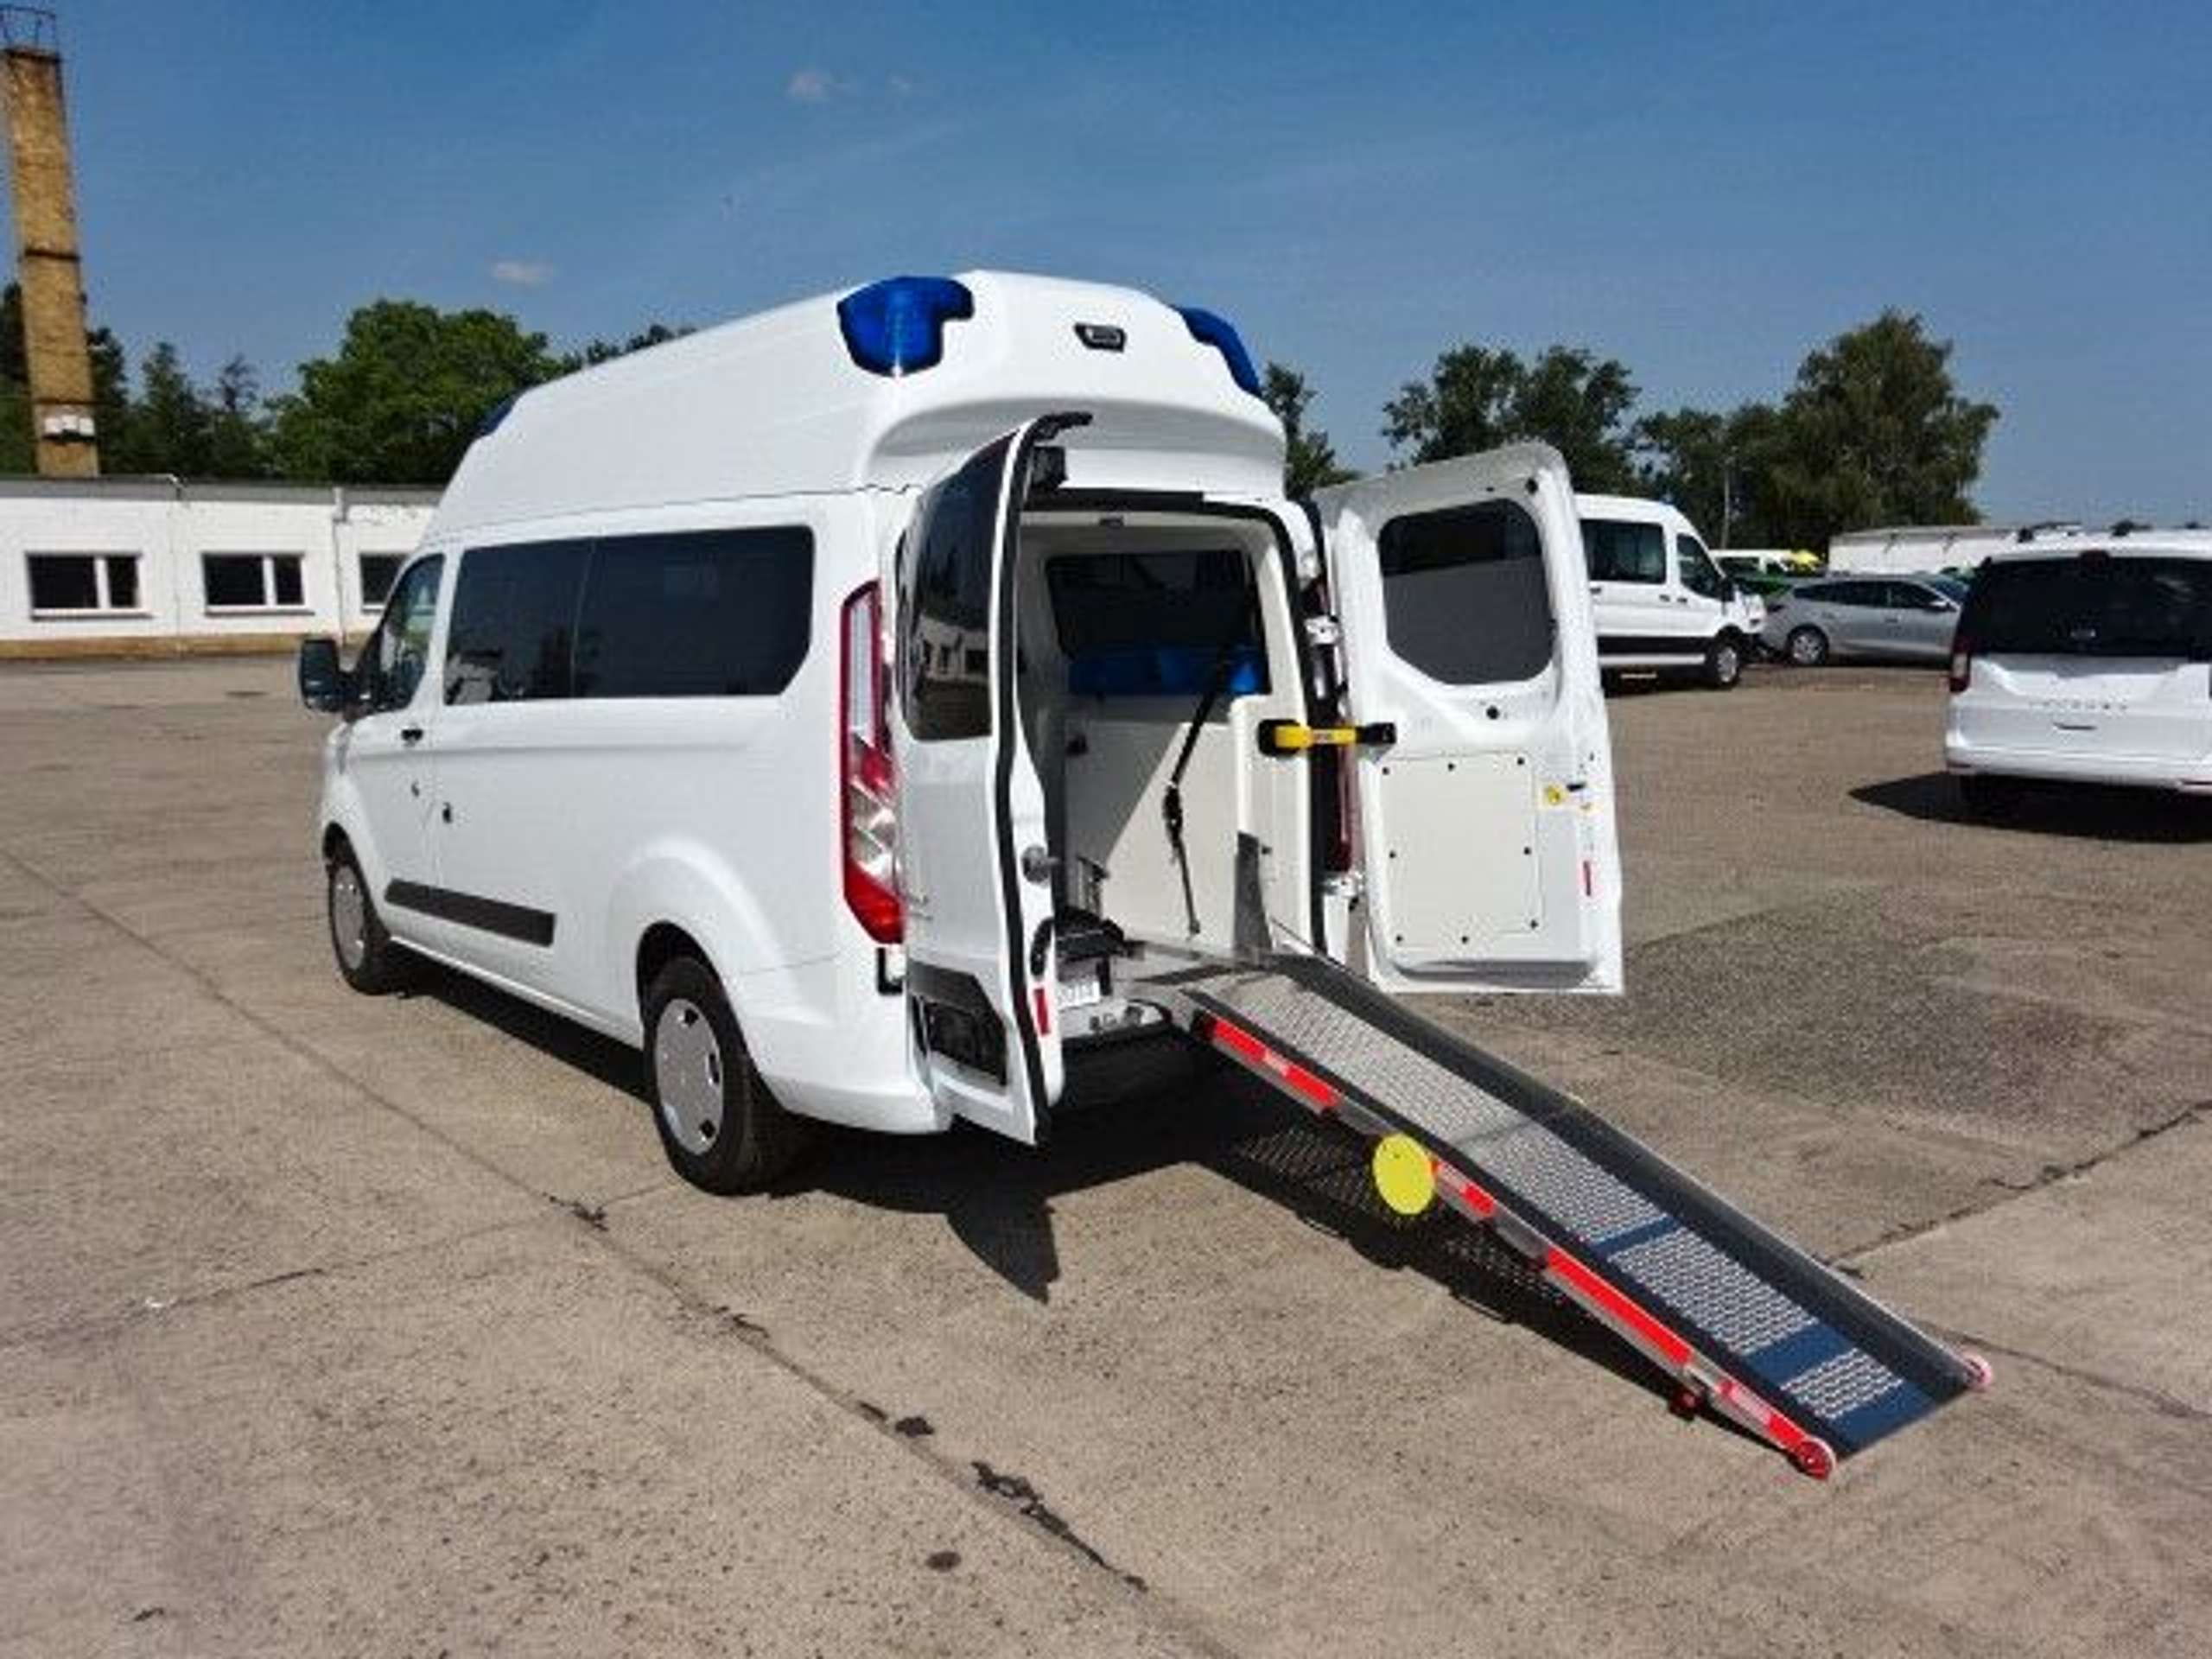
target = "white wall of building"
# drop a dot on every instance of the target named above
(177, 566)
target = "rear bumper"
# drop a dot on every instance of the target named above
(2128, 771)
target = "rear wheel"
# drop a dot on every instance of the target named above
(1808, 647)
(368, 960)
(719, 1126)
(1724, 662)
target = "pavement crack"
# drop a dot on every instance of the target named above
(1030, 1503)
(2010, 1191)
(2160, 1402)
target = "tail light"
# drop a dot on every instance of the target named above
(1961, 664)
(868, 788)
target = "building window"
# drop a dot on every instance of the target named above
(378, 572)
(64, 584)
(253, 581)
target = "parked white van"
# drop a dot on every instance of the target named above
(2084, 664)
(853, 705)
(1660, 601)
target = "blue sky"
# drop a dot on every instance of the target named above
(1703, 191)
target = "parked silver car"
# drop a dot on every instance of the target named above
(1904, 619)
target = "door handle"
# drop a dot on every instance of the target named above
(410, 735)
(1037, 865)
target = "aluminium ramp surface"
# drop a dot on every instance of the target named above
(1744, 1320)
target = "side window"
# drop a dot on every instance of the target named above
(944, 603)
(1695, 568)
(514, 618)
(394, 659)
(1464, 595)
(1620, 550)
(694, 614)
(1910, 596)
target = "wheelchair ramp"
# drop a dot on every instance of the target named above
(1744, 1322)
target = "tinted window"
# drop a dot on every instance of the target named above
(1464, 595)
(1620, 551)
(514, 619)
(944, 601)
(1126, 602)
(63, 583)
(393, 661)
(1855, 593)
(232, 579)
(377, 570)
(2093, 606)
(284, 572)
(694, 614)
(1912, 596)
(1695, 569)
(122, 581)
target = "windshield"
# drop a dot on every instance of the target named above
(2093, 605)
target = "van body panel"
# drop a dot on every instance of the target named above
(1486, 821)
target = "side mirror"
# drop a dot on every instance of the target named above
(1730, 591)
(1943, 604)
(325, 686)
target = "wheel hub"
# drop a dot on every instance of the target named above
(349, 916)
(688, 1074)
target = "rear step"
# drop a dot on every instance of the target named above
(1742, 1320)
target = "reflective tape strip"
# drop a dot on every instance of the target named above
(1254, 1053)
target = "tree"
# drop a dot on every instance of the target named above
(592, 352)
(166, 427)
(1478, 398)
(1874, 432)
(237, 445)
(403, 398)
(1309, 459)
(1717, 468)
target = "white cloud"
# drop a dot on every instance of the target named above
(810, 87)
(901, 86)
(522, 273)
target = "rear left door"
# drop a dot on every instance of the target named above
(975, 869)
(1484, 788)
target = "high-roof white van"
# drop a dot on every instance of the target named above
(853, 706)
(1659, 600)
(2085, 663)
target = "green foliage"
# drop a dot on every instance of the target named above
(401, 400)
(592, 352)
(1309, 459)
(1874, 432)
(1477, 397)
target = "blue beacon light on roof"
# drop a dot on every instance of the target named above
(897, 326)
(1211, 330)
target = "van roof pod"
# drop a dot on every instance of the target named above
(884, 386)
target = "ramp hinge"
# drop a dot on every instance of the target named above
(1325, 633)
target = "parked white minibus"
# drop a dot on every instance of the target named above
(853, 705)
(1659, 600)
(2084, 664)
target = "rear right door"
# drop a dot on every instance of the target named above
(1484, 792)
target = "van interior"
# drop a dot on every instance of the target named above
(1150, 647)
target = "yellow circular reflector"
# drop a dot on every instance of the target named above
(1403, 1174)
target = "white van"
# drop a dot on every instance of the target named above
(1659, 600)
(2084, 664)
(852, 706)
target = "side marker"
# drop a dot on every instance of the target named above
(1404, 1174)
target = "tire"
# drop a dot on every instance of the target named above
(1807, 646)
(720, 1128)
(1724, 662)
(368, 959)
(1985, 796)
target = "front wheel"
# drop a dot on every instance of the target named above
(1724, 662)
(1808, 647)
(368, 959)
(719, 1126)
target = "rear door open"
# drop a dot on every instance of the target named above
(974, 871)
(1484, 790)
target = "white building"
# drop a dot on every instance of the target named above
(154, 566)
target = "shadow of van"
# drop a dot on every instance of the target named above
(996, 1197)
(2085, 811)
